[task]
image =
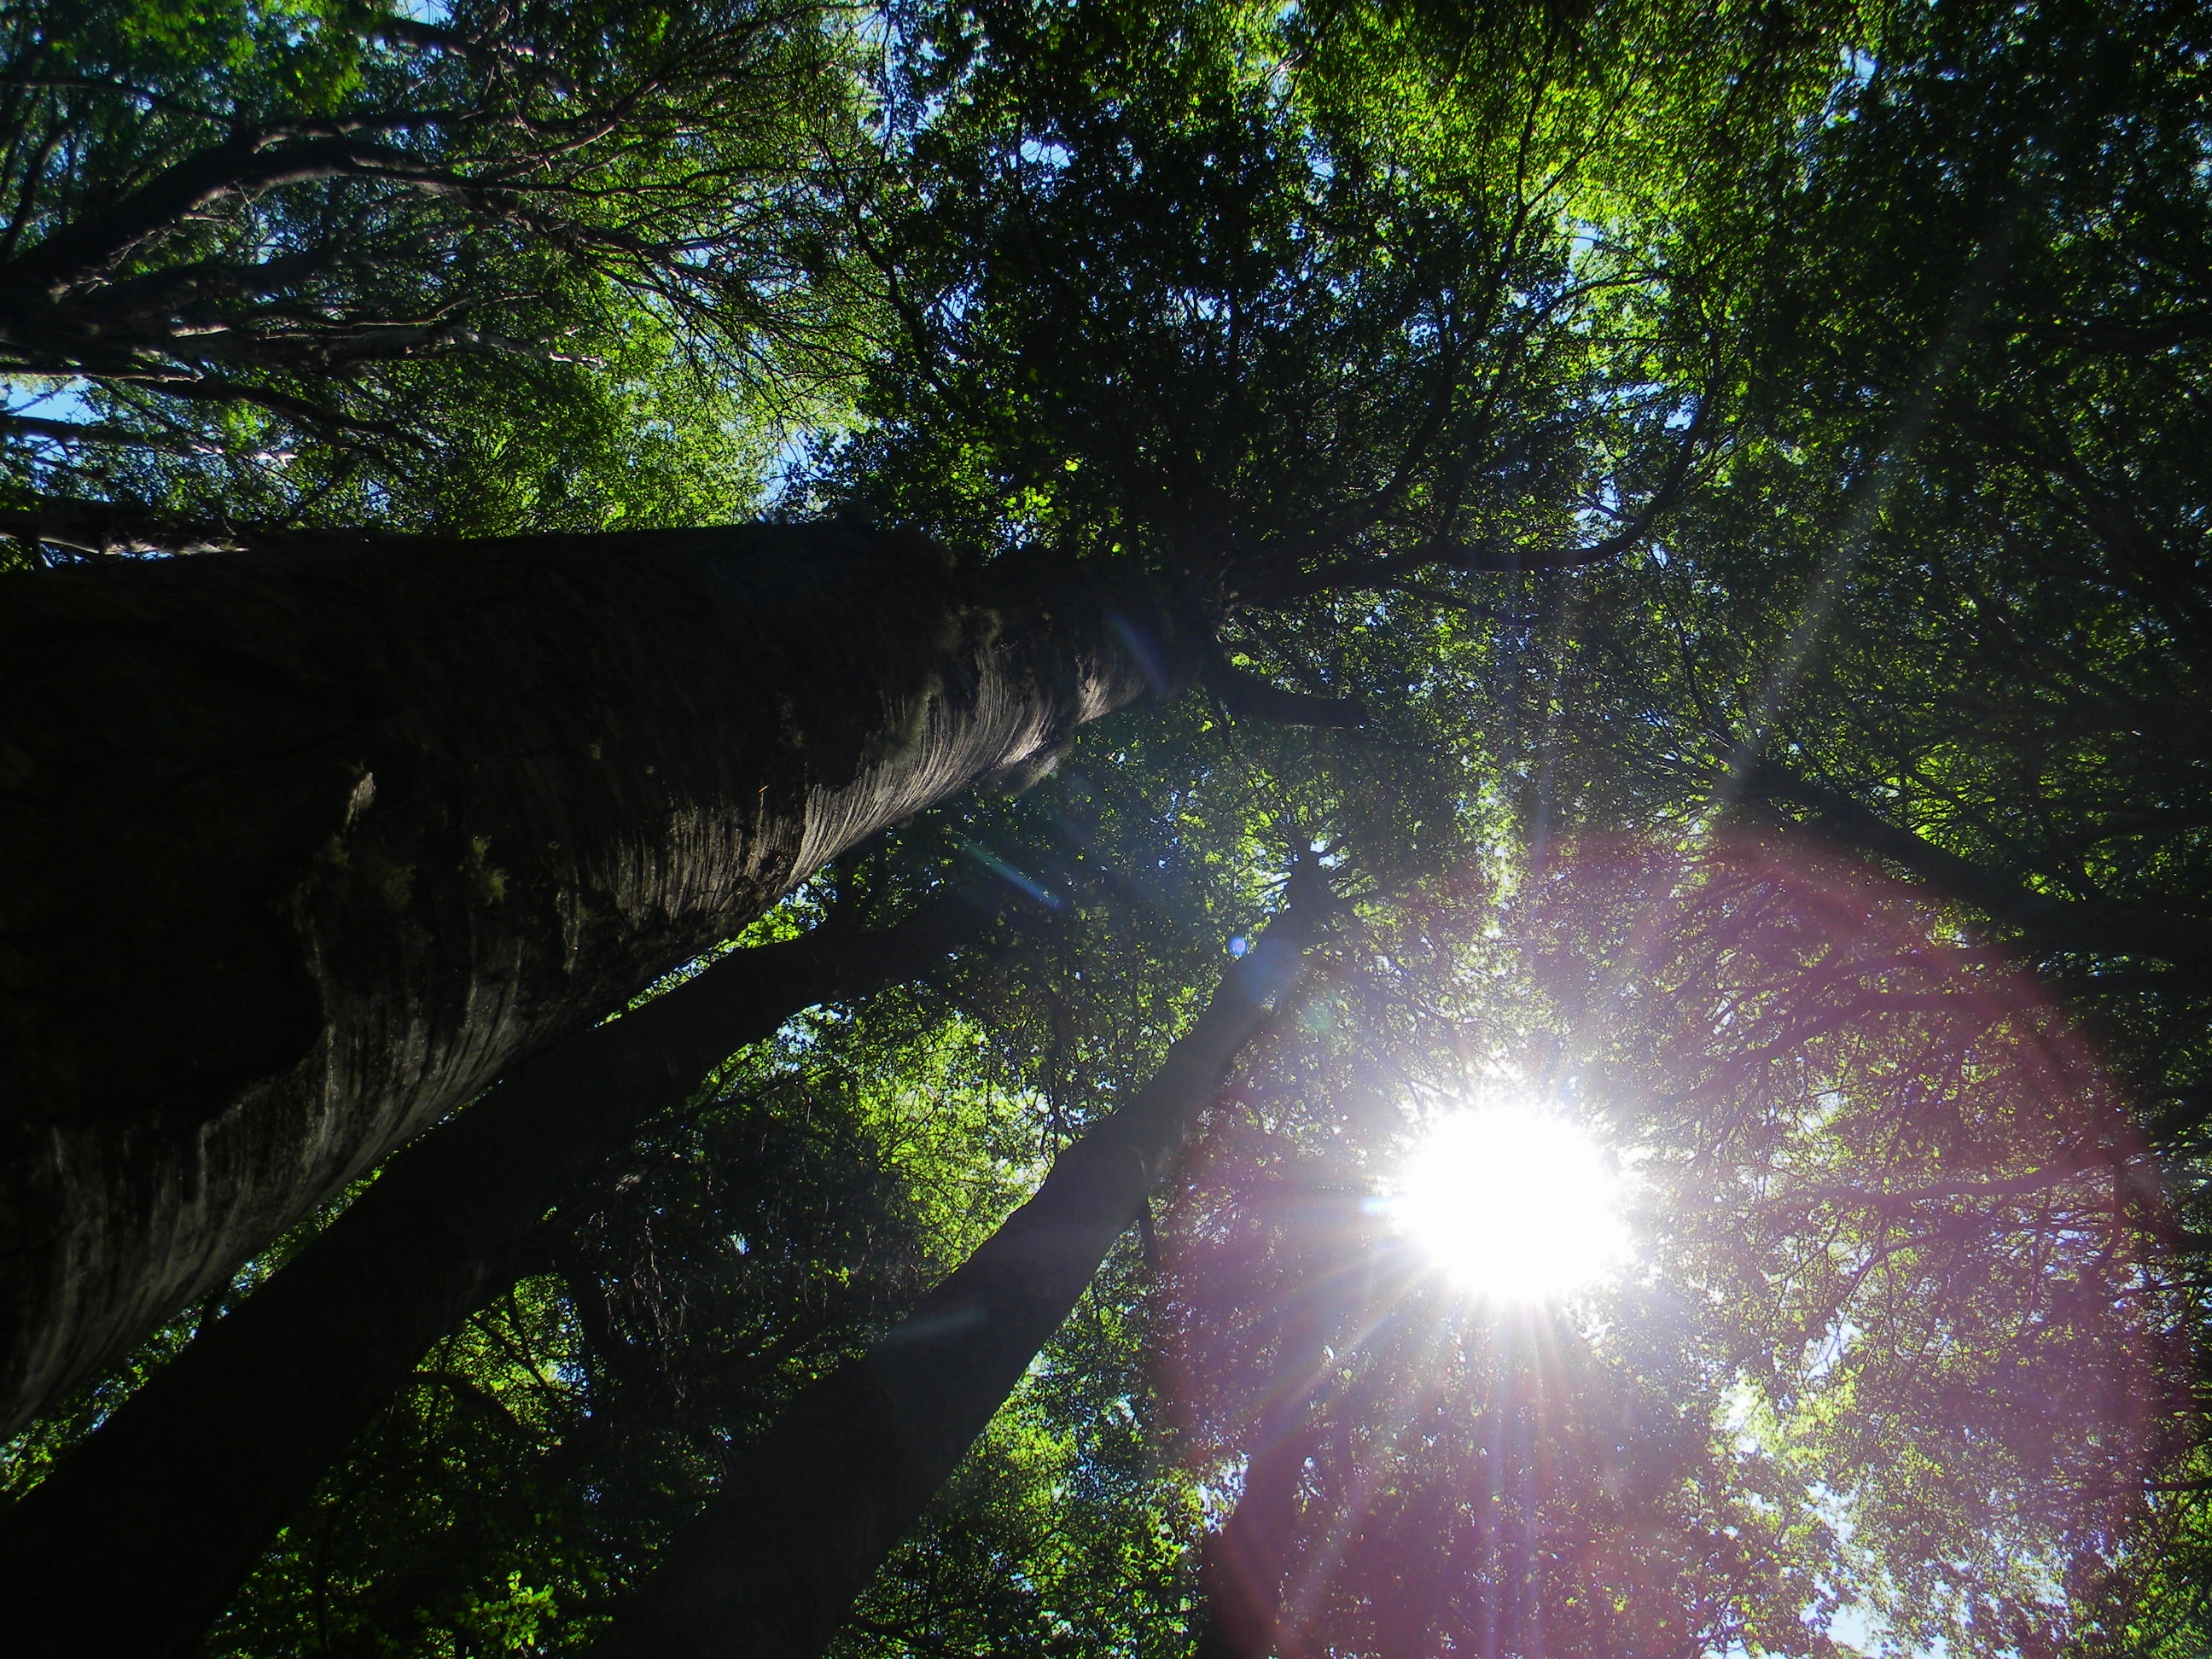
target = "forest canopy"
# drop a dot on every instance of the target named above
(1068, 829)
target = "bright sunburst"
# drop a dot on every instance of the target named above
(1512, 1203)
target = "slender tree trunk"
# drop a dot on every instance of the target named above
(298, 851)
(772, 1569)
(143, 1535)
(1243, 1565)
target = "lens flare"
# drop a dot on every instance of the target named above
(1513, 1203)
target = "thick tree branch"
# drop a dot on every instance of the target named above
(1250, 697)
(85, 434)
(2047, 925)
(242, 166)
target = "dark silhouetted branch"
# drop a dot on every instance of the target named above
(2046, 924)
(1250, 697)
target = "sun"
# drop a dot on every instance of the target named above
(1512, 1203)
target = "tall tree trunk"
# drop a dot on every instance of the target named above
(1243, 1565)
(300, 851)
(772, 1569)
(143, 1535)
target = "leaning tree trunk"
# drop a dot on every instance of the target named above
(810, 1510)
(142, 1537)
(299, 852)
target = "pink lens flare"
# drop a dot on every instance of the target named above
(1899, 1329)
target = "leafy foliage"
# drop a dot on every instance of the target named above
(500, 268)
(1745, 464)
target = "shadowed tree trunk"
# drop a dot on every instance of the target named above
(300, 851)
(812, 1509)
(1243, 1565)
(143, 1535)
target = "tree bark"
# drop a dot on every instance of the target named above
(772, 1568)
(298, 851)
(143, 1534)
